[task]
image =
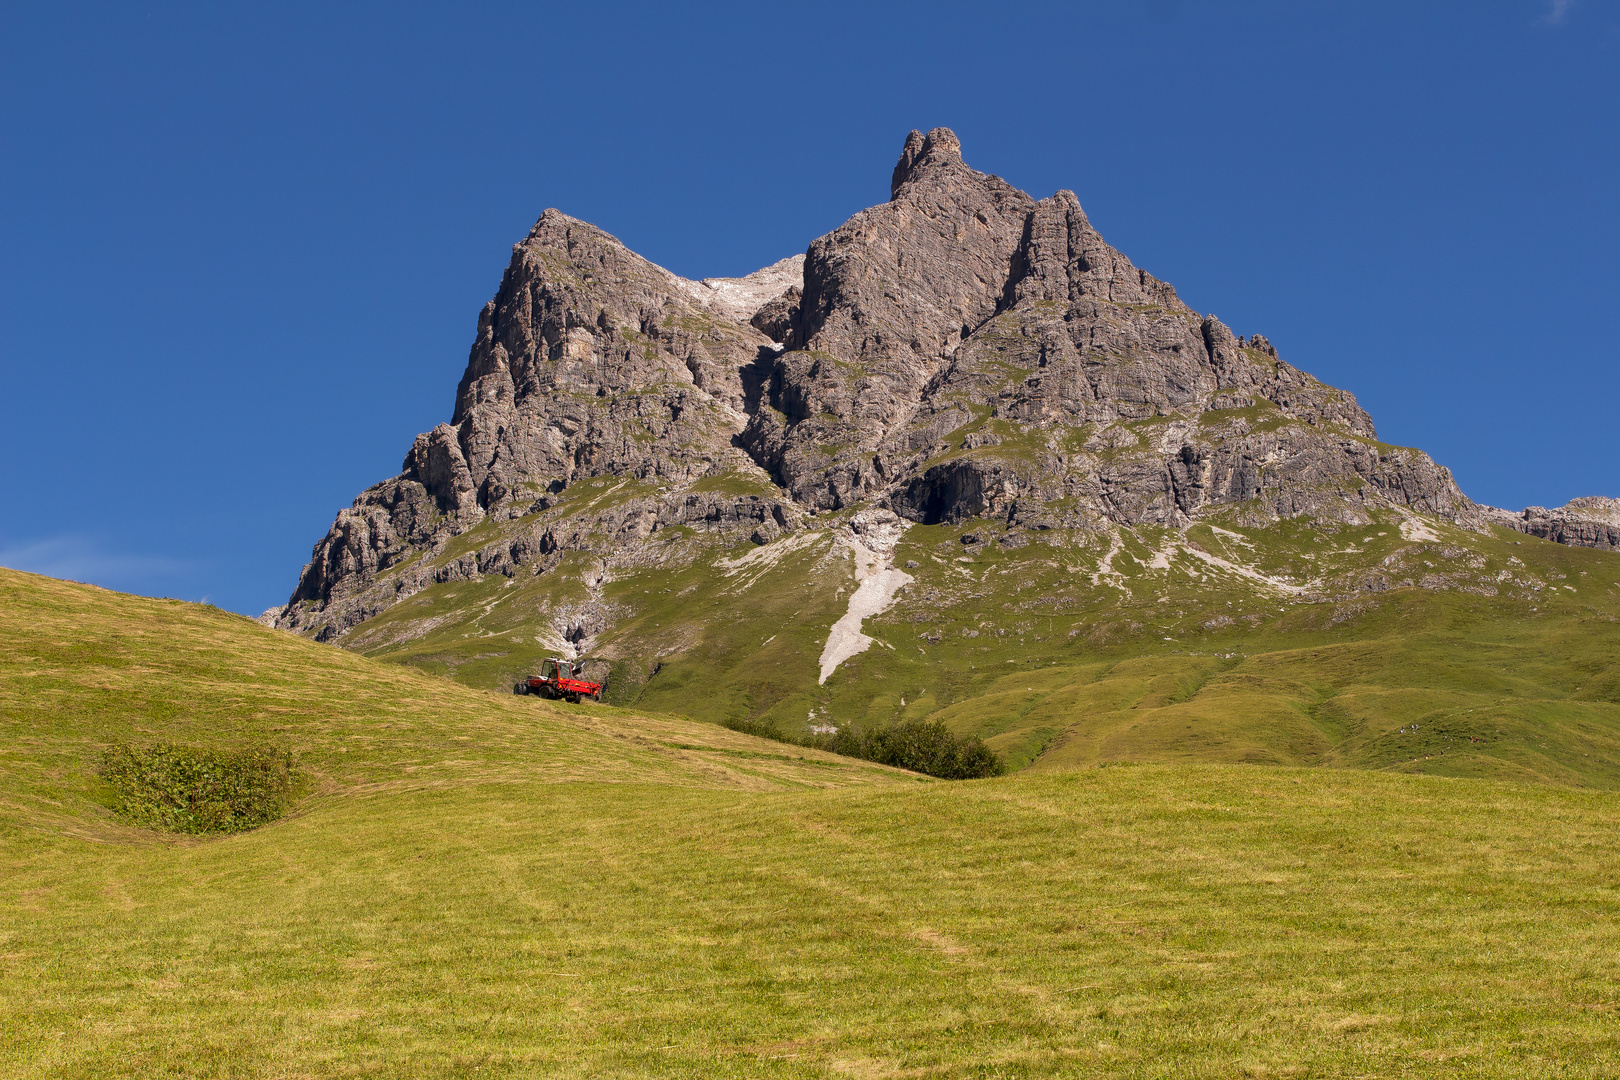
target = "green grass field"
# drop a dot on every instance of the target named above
(484, 885)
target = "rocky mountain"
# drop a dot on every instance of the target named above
(960, 369)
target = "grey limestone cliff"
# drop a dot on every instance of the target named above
(1591, 521)
(960, 351)
(963, 314)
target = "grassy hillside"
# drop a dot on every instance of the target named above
(84, 668)
(489, 886)
(1404, 644)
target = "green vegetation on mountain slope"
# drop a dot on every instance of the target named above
(489, 886)
(1403, 645)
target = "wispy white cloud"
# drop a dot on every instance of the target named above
(83, 558)
(1558, 11)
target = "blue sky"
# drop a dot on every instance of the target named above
(242, 250)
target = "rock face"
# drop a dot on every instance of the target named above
(1592, 521)
(961, 351)
(964, 314)
(590, 361)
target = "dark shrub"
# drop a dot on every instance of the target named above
(763, 729)
(846, 741)
(195, 790)
(927, 746)
(924, 746)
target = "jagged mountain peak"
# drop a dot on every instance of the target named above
(962, 351)
(960, 460)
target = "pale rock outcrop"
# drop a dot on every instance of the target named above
(1591, 521)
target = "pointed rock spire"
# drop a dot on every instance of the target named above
(940, 146)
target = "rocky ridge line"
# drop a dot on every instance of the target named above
(960, 351)
(1590, 521)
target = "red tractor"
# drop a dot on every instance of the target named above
(556, 680)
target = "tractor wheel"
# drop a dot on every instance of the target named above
(597, 696)
(573, 699)
(521, 688)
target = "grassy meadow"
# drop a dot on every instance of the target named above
(484, 885)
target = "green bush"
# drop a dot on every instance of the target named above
(762, 729)
(195, 790)
(925, 746)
